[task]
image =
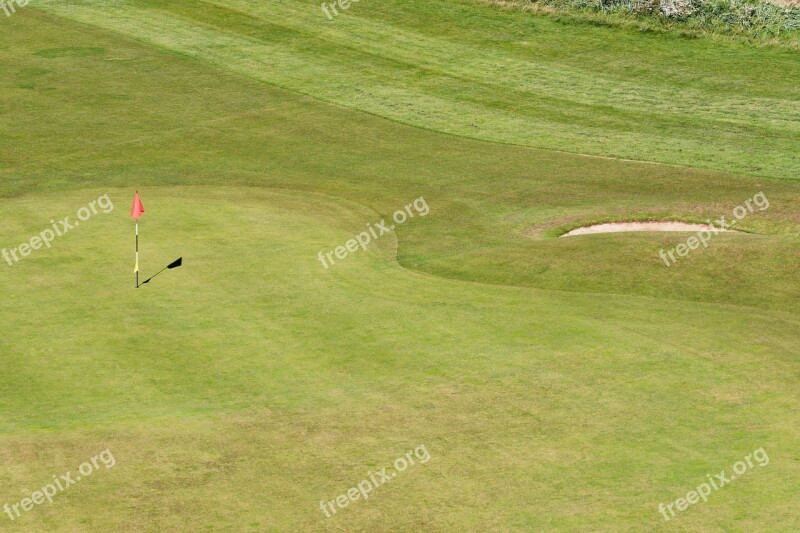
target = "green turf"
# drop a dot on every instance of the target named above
(466, 68)
(558, 384)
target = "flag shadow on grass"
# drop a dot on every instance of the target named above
(175, 264)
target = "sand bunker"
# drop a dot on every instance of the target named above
(617, 227)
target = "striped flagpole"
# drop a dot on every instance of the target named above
(136, 268)
(136, 211)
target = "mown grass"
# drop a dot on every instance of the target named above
(221, 128)
(240, 391)
(465, 68)
(558, 384)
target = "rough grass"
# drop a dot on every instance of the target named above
(760, 23)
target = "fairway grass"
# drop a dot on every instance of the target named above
(558, 384)
(473, 70)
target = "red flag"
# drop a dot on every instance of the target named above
(138, 209)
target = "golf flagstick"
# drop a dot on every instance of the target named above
(136, 211)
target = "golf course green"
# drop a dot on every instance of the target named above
(557, 384)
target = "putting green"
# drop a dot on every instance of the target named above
(253, 367)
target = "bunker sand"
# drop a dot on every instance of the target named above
(619, 227)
